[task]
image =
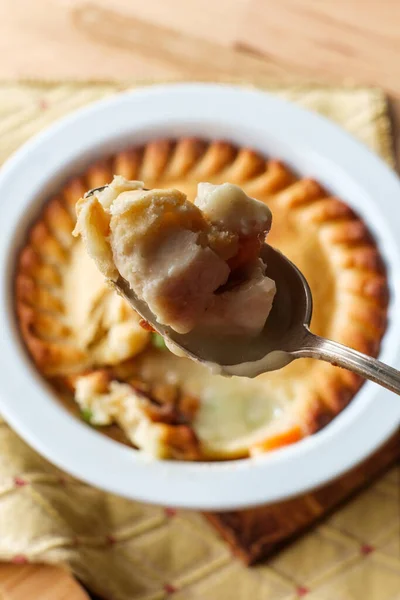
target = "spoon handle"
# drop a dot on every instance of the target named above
(342, 356)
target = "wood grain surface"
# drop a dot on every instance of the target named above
(334, 41)
(38, 582)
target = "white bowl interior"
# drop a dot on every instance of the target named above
(313, 147)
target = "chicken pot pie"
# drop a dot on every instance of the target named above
(120, 377)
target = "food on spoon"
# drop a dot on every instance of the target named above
(194, 265)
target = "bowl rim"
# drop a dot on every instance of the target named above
(303, 139)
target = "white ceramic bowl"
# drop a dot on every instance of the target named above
(312, 145)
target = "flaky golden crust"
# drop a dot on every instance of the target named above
(327, 240)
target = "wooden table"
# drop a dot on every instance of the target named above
(332, 41)
(35, 582)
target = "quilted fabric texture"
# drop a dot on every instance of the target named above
(129, 551)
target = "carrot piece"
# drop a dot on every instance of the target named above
(291, 436)
(145, 325)
(249, 249)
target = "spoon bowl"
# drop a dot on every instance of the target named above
(284, 329)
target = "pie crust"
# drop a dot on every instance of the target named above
(69, 335)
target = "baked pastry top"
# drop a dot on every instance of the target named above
(89, 344)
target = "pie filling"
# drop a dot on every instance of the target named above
(227, 415)
(120, 377)
(195, 265)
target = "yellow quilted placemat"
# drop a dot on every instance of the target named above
(125, 550)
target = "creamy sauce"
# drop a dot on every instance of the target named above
(271, 362)
(234, 412)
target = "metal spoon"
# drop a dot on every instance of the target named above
(285, 337)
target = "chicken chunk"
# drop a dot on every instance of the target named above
(242, 309)
(228, 207)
